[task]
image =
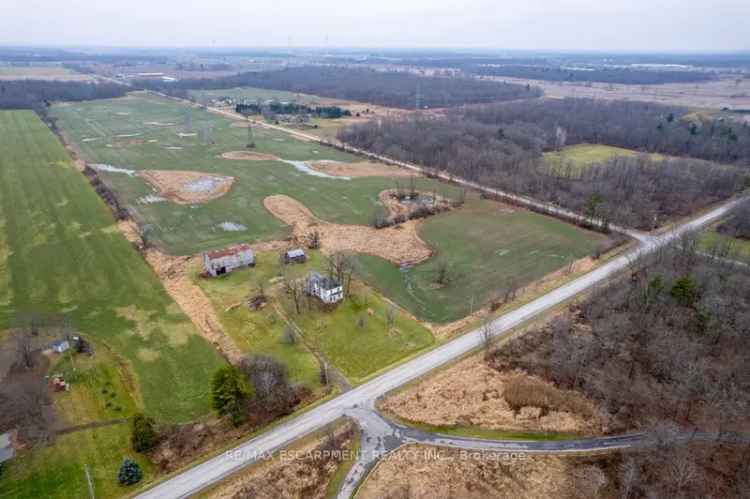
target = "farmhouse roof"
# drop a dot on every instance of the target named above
(58, 343)
(324, 282)
(232, 250)
(295, 253)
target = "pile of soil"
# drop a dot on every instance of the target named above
(397, 207)
(359, 169)
(248, 156)
(400, 245)
(471, 393)
(188, 187)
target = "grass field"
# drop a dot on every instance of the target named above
(353, 337)
(739, 249)
(60, 252)
(50, 72)
(572, 160)
(496, 247)
(260, 331)
(187, 229)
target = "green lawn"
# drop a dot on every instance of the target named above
(180, 229)
(495, 247)
(60, 252)
(356, 348)
(576, 158)
(738, 248)
(260, 331)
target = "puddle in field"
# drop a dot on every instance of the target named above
(151, 199)
(173, 148)
(101, 167)
(183, 134)
(126, 135)
(90, 139)
(231, 227)
(303, 167)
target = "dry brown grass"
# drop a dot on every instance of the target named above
(248, 156)
(184, 187)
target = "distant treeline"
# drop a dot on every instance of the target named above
(393, 89)
(31, 94)
(327, 112)
(501, 145)
(20, 55)
(627, 76)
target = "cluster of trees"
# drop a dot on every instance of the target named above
(256, 390)
(665, 349)
(393, 89)
(276, 107)
(593, 74)
(738, 225)
(669, 342)
(33, 94)
(504, 149)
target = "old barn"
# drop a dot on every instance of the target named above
(223, 261)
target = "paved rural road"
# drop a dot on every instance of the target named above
(202, 475)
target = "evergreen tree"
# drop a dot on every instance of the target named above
(130, 473)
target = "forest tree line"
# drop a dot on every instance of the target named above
(664, 349)
(502, 146)
(33, 94)
(392, 89)
(626, 76)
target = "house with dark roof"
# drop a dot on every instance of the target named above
(223, 261)
(328, 290)
(60, 346)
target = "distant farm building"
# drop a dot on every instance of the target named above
(328, 290)
(60, 346)
(296, 255)
(6, 448)
(223, 261)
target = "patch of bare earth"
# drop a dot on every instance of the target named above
(304, 471)
(172, 271)
(359, 169)
(400, 245)
(188, 187)
(405, 208)
(419, 471)
(248, 156)
(471, 393)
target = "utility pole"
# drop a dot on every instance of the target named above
(418, 103)
(250, 137)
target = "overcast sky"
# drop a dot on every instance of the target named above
(643, 25)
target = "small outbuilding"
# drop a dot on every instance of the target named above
(296, 255)
(6, 447)
(223, 261)
(60, 346)
(328, 290)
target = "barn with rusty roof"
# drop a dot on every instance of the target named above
(223, 261)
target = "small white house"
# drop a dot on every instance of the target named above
(220, 262)
(60, 346)
(326, 289)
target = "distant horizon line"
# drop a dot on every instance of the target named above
(356, 48)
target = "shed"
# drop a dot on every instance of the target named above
(223, 261)
(296, 255)
(60, 346)
(6, 448)
(327, 289)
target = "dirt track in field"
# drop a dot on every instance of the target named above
(400, 245)
(172, 271)
(359, 169)
(188, 187)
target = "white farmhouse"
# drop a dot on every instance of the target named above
(220, 262)
(326, 289)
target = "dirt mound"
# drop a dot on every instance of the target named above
(472, 393)
(407, 207)
(248, 156)
(359, 169)
(401, 245)
(186, 187)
